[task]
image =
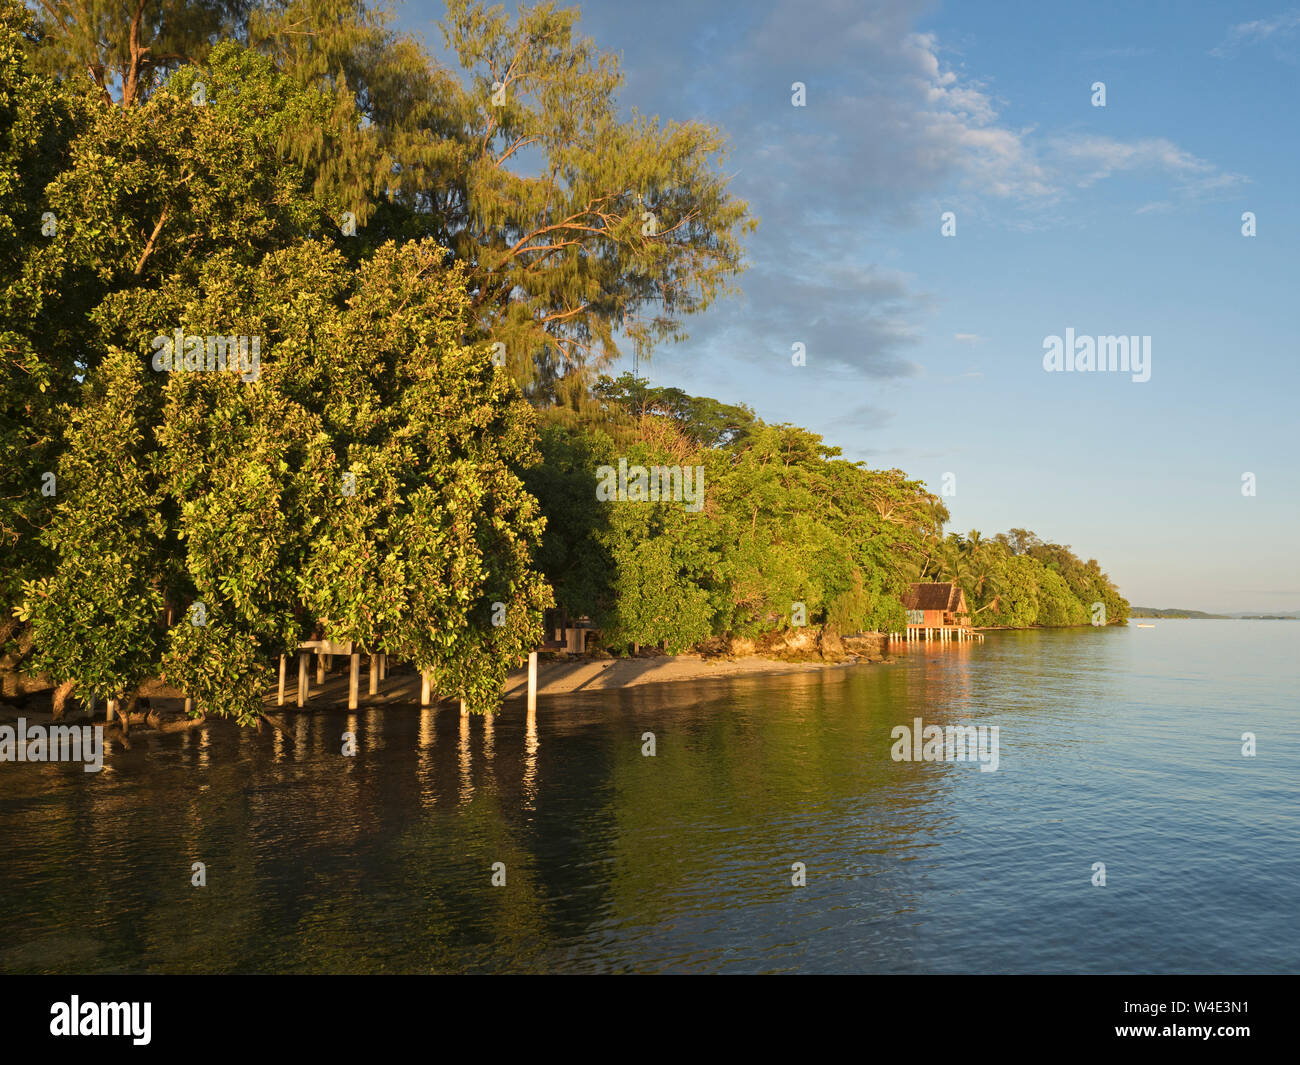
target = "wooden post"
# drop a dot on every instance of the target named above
(280, 699)
(424, 686)
(532, 682)
(302, 679)
(189, 706)
(463, 711)
(353, 677)
(320, 669)
(383, 665)
(374, 674)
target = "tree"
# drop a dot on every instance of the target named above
(39, 120)
(706, 421)
(612, 228)
(126, 46)
(360, 477)
(581, 230)
(95, 618)
(574, 554)
(665, 572)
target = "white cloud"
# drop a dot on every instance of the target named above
(1101, 157)
(1245, 33)
(1089, 159)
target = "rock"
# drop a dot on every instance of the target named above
(740, 647)
(829, 643)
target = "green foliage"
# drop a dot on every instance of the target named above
(95, 618)
(664, 561)
(126, 46)
(573, 554)
(577, 223)
(226, 489)
(1016, 604)
(1018, 580)
(38, 121)
(784, 521)
(706, 421)
(1056, 605)
(788, 521)
(579, 227)
(850, 610)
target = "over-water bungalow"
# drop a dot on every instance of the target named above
(938, 612)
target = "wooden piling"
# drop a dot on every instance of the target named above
(374, 674)
(320, 669)
(532, 681)
(302, 679)
(280, 698)
(425, 686)
(354, 676)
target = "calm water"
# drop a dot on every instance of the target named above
(1116, 746)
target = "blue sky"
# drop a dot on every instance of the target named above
(925, 352)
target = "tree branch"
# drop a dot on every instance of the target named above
(148, 248)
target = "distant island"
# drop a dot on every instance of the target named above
(1152, 612)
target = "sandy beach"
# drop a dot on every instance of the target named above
(559, 677)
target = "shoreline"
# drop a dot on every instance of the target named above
(402, 684)
(559, 677)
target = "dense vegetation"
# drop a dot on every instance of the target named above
(430, 269)
(786, 521)
(1153, 612)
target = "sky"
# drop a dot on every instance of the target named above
(925, 351)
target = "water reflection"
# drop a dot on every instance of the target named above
(682, 861)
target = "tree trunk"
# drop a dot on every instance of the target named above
(61, 695)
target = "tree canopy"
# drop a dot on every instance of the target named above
(582, 230)
(327, 453)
